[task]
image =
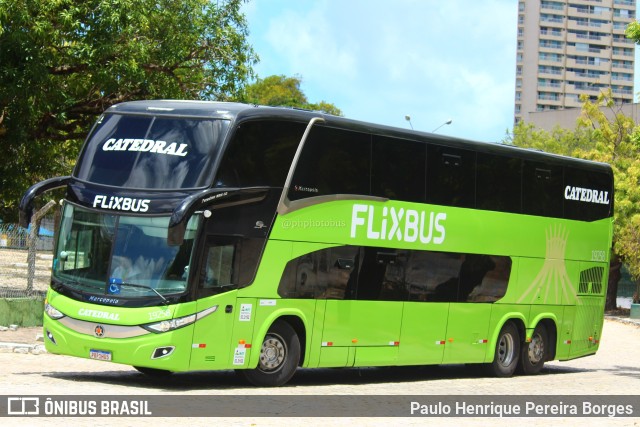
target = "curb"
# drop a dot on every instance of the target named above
(14, 347)
(625, 320)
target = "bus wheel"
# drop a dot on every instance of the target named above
(279, 357)
(534, 353)
(507, 353)
(153, 372)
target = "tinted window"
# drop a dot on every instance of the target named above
(498, 183)
(326, 274)
(452, 277)
(451, 176)
(333, 161)
(151, 152)
(483, 278)
(542, 189)
(398, 169)
(384, 274)
(259, 154)
(228, 263)
(587, 195)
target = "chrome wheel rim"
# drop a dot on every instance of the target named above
(272, 353)
(505, 350)
(536, 349)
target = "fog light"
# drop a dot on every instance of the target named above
(51, 338)
(162, 352)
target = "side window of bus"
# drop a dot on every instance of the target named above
(451, 176)
(441, 276)
(385, 274)
(218, 271)
(260, 153)
(330, 273)
(382, 275)
(489, 276)
(333, 161)
(498, 183)
(454, 277)
(542, 190)
(398, 169)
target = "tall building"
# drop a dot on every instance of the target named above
(567, 48)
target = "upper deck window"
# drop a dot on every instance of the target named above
(147, 152)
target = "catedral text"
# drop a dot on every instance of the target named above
(145, 145)
(586, 195)
(97, 314)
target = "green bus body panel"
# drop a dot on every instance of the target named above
(467, 333)
(211, 347)
(424, 332)
(465, 230)
(549, 280)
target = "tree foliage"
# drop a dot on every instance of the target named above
(633, 31)
(603, 133)
(64, 62)
(283, 91)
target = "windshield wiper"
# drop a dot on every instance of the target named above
(133, 285)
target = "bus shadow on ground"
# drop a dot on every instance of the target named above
(207, 380)
(625, 371)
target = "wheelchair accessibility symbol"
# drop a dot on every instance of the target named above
(114, 286)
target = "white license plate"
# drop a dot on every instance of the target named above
(100, 355)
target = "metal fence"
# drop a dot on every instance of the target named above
(25, 257)
(12, 236)
(15, 275)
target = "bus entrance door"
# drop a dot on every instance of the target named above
(212, 333)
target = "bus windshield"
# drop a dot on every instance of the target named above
(148, 152)
(122, 256)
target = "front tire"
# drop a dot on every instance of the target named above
(507, 352)
(534, 353)
(279, 357)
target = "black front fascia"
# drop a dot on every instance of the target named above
(250, 223)
(114, 300)
(117, 200)
(252, 219)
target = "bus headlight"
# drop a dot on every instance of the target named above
(52, 312)
(178, 322)
(170, 325)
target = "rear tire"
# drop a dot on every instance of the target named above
(507, 352)
(534, 353)
(279, 357)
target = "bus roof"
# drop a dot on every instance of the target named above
(238, 112)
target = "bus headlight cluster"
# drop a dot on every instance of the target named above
(178, 322)
(52, 312)
(170, 325)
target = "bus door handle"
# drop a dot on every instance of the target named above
(228, 309)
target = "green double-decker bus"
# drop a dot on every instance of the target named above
(215, 236)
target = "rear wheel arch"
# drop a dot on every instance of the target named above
(552, 335)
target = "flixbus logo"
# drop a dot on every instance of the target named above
(390, 223)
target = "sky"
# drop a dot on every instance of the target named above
(379, 61)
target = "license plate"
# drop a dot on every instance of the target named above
(100, 355)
